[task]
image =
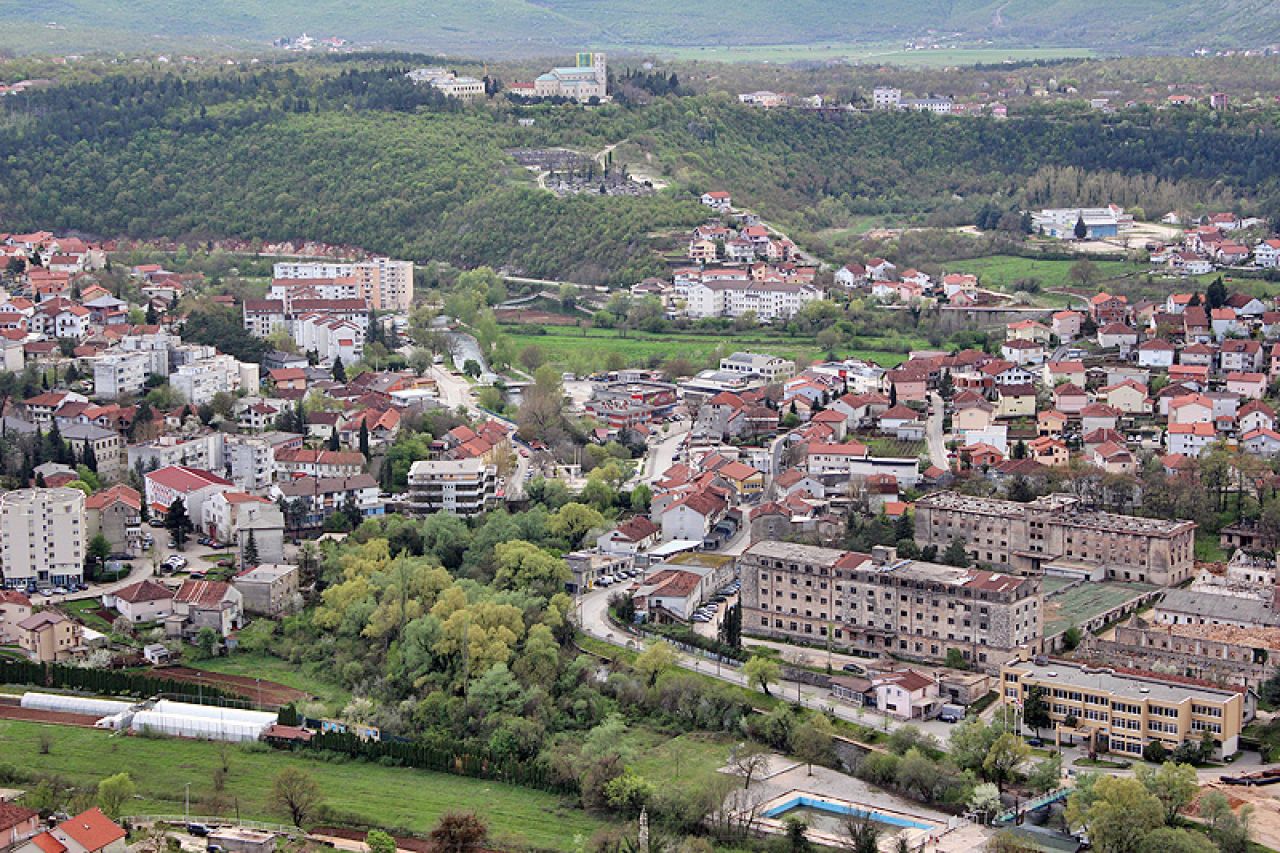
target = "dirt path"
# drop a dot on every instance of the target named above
(263, 692)
(13, 711)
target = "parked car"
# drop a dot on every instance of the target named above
(949, 718)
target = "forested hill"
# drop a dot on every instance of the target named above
(359, 156)
(539, 27)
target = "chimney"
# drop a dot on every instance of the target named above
(883, 554)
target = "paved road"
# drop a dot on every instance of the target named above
(144, 566)
(933, 432)
(661, 456)
(593, 619)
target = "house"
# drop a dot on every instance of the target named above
(319, 463)
(17, 824)
(1028, 330)
(1051, 422)
(1098, 416)
(1267, 254)
(851, 275)
(88, 832)
(980, 455)
(1106, 309)
(1155, 353)
(693, 517)
(1064, 371)
(1070, 399)
(1224, 322)
(205, 604)
(193, 485)
(1112, 457)
(1066, 324)
(49, 636)
(1237, 355)
(973, 414)
(794, 481)
(14, 607)
(1129, 397)
(1249, 385)
(1048, 451)
(145, 601)
(116, 513)
(959, 284)
(718, 200)
(240, 518)
(1191, 409)
(1189, 439)
(1261, 442)
(630, 537)
(269, 589)
(1016, 401)
(1117, 336)
(906, 694)
(1255, 415)
(1022, 352)
(880, 270)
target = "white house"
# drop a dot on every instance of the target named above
(906, 694)
(145, 601)
(692, 517)
(1190, 439)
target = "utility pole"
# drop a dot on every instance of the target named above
(186, 808)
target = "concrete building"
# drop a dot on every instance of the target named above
(883, 605)
(771, 368)
(116, 513)
(108, 448)
(198, 451)
(194, 486)
(269, 589)
(199, 380)
(1055, 531)
(767, 300)
(145, 601)
(1123, 712)
(461, 487)
(42, 537)
(88, 832)
(587, 78)
(14, 607)
(236, 517)
(324, 496)
(119, 373)
(205, 604)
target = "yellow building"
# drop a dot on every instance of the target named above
(49, 636)
(1124, 712)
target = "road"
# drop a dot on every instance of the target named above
(933, 432)
(593, 619)
(662, 455)
(144, 566)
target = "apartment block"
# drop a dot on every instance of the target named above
(42, 537)
(462, 487)
(386, 284)
(1056, 531)
(200, 380)
(120, 373)
(1124, 712)
(881, 604)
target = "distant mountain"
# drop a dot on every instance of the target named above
(526, 27)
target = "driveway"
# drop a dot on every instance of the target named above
(933, 432)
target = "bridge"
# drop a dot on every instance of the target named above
(1031, 805)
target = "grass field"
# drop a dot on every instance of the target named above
(587, 350)
(1209, 548)
(1000, 272)
(308, 677)
(382, 796)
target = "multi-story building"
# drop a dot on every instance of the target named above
(319, 463)
(462, 486)
(199, 451)
(770, 367)
(386, 284)
(886, 98)
(237, 517)
(767, 300)
(269, 589)
(108, 448)
(50, 636)
(119, 373)
(884, 605)
(626, 404)
(1123, 712)
(587, 78)
(200, 380)
(42, 537)
(1055, 530)
(192, 485)
(252, 460)
(116, 513)
(324, 496)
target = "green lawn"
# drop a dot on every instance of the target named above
(1076, 606)
(685, 763)
(83, 610)
(382, 796)
(308, 676)
(587, 350)
(1209, 548)
(1000, 272)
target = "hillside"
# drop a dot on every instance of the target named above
(524, 27)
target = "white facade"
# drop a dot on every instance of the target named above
(121, 373)
(769, 301)
(42, 537)
(462, 487)
(200, 380)
(329, 338)
(385, 283)
(885, 98)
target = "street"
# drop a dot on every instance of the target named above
(593, 619)
(933, 432)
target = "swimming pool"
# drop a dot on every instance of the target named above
(819, 805)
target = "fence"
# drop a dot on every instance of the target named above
(209, 820)
(103, 681)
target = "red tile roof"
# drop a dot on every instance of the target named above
(12, 815)
(147, 590)
(183, 479)
(202, 593)
(92, 830)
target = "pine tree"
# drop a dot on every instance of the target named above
(339, 371)
(250, 556)
(153, 317)
(333, 439)
(364, 438)
(89, 457)
(1081, 230)
(177, 522)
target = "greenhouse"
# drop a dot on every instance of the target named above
(183, 725)
(74, 704)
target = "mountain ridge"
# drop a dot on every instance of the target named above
(540, 27)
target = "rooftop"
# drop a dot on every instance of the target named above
(1132, 687)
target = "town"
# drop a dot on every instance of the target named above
(929, 537)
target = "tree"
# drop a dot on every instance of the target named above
(1155, 752)
(1269, 690)
(573, 521)
(1046, 775)
(339, 370)
(177, 522)
(797, 840)
(970, 742)
(524, 566)
(334, 442)
(1229, 830)
(1004, 758)
(114, 792)
(761, 672)
(955, 659)
(1071, 638)
(1035, 711)
(1215, 295)
(363, 440)
(1120, 814)
(1174, 785)
(657, 657)
(1081, 230)
(812, 741)
(472, 368)
(458, 832)
(96, 558)
(747, 759)
(862, 833)
(985, 799)
(1166, 839)
(89, 458)
(295, 792)
(1083, 272)
(956, 555)
(250, 555)
(379, 842)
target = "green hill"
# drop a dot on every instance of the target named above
(524, 27)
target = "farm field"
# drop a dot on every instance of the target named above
(584, 351)
(302, 676)
(383, 796)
